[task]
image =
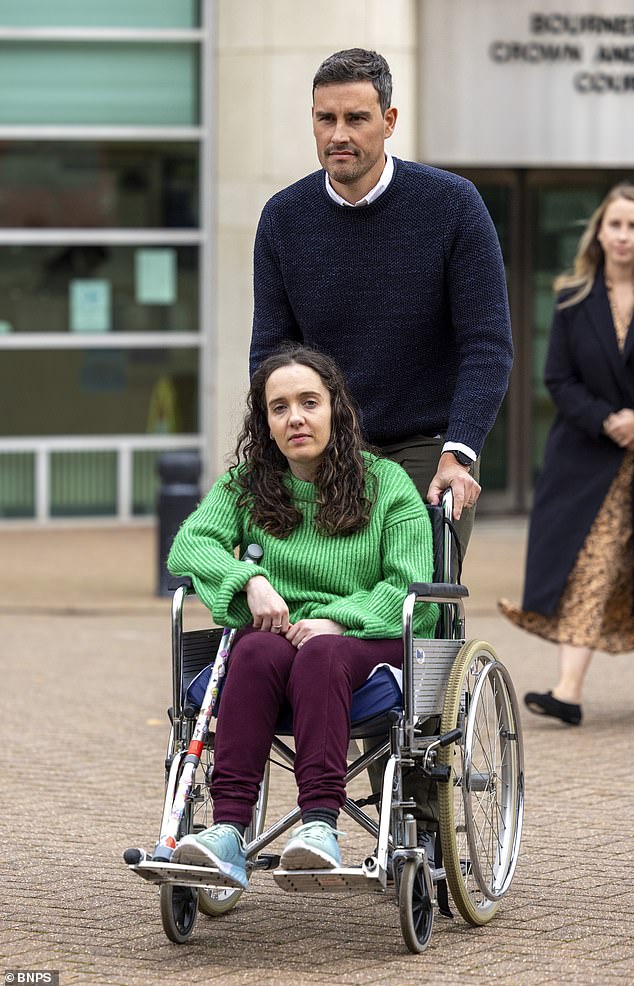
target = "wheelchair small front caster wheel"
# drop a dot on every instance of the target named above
(179, 910)
(415, 906)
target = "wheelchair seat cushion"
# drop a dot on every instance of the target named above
(376, 696)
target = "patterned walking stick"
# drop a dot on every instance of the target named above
(172, 816)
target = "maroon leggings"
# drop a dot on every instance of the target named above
(267, 674)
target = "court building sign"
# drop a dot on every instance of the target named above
(547, 83)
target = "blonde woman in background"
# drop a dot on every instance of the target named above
(579, 574)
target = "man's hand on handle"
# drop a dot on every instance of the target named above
(464, 487)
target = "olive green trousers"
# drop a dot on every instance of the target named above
(419, 457)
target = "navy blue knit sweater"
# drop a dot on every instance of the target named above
(408, 295)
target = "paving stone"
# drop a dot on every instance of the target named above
(83, 731)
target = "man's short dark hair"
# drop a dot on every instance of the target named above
(357, 65)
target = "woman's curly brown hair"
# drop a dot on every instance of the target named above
(345, 494)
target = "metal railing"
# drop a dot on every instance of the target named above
(44, 479)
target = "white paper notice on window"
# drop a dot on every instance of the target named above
(155, 276)
(90, 304)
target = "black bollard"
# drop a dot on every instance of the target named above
(178, 496)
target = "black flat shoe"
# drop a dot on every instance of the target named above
(547, 705)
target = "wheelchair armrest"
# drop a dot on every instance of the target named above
(176, 581)
(439, 591)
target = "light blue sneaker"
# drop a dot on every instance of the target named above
(313, 846)
(221, 846)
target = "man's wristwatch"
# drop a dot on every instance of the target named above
(463, 459)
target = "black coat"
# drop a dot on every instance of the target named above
(588, 378)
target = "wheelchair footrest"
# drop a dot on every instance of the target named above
(181, 875)
(329, 881)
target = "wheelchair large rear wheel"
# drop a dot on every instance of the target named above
(481, 807)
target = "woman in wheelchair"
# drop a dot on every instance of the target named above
(344, 533)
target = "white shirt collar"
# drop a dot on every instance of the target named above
(373, 194)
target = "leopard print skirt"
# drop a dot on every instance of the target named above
(595, 609)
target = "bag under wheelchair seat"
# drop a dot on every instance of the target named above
(376, 697)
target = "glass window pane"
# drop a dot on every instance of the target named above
(83, 484)
(98, 83)
(17, 484)
(494, 468)
(98, 392)
(101, 288)
(558, 216)
(146, 481)
(109, 13)
(92, 185)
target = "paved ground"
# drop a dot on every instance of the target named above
(84, 649)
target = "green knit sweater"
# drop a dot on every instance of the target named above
(359, 580)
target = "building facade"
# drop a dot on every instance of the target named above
(105, 230)
(139, 140)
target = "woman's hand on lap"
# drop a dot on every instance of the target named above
(268, 609)
(304, 630)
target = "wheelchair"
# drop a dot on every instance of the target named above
(456, 721)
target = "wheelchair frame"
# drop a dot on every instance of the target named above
(473, 752)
